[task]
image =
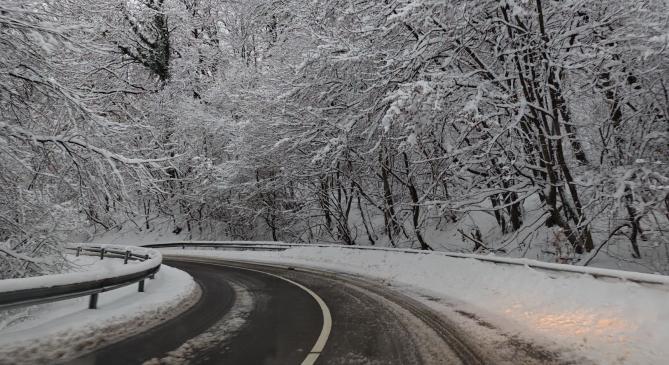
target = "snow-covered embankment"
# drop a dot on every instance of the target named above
(57, 331)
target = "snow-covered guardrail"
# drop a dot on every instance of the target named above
(51, 288)
(598, 273)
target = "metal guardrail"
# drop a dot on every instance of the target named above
(234, 245)
(597, 273)
(45, 289)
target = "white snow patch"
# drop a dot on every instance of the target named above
(217, 334)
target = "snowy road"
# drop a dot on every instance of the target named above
(249, 314)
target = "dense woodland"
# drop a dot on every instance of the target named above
(534, 128)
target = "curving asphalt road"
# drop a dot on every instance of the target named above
(256, 314)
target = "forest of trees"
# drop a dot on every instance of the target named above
(534, 128)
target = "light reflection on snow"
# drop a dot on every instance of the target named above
(594, 325)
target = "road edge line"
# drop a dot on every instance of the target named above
(322, 339)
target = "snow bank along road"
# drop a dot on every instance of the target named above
(259, 314)
(54, 332)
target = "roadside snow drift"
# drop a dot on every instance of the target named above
(93, 269)
(607, 321)
(47, 333)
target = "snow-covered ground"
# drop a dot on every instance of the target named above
(606, 321)
(533, 241)
(60, 329)
(130, 235)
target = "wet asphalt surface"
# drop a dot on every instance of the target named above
(284, 321)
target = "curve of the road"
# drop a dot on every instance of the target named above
(259, 314)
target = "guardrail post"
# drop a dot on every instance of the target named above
(78, 251)
(141, 286)
(102, 254)
(93, 301)
(126, 257)
(146, 257)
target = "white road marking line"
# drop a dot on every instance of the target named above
(327, 317)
